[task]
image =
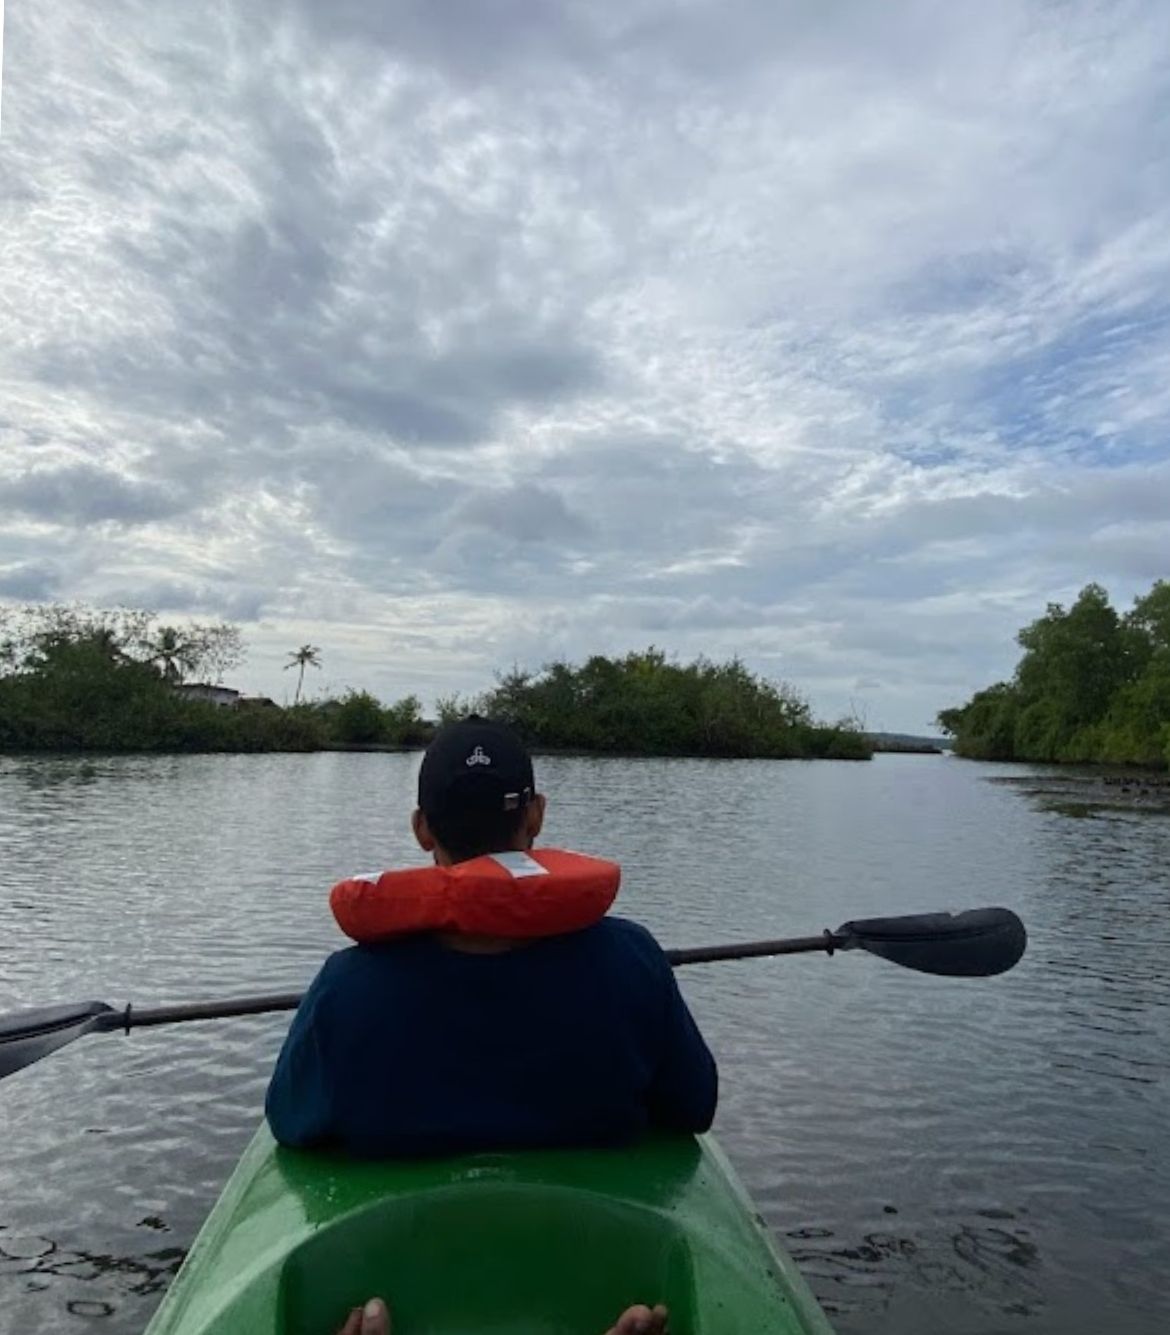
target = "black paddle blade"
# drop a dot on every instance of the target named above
(975, 944)
(27, 1036)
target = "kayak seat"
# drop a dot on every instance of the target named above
(491, 1257)
(543, 1242)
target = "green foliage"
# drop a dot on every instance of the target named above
(1151, 616)
(984, 728)
(1074, 664)
(74, 678)
(404, 724)
(644, 704)
(1091, 686)
(194, 649)
(172, 653)
(451, 708)
(308, 655)
(358, 718)
(252, 728)
(85, 695)
(841, 741)
(1138, 722)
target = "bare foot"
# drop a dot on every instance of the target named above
(373, 1319)
(640, 1320)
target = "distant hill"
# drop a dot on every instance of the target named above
(902, 741)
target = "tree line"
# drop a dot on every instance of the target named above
(1093, 685)
(74, 678)
(646, 704)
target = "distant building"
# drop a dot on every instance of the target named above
(256, 702)
(216, 695)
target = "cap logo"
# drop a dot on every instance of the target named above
(478, 757)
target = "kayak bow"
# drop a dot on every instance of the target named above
(539, 1243)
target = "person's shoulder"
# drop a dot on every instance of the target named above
(339, 963)
(631, 938)
(376, 955)
(628, 931)
(356, 977)
(354, 962)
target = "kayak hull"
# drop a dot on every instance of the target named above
(538, 1243)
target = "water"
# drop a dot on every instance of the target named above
(982, 1156)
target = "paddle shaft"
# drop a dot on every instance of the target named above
(750, 950)
(975, 944)
(146, 1017)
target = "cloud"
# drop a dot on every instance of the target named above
(835, 337)
(30, 581)
(88, 494)
(526, 513)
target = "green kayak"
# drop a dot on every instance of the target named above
(540, 1243)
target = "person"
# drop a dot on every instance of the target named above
(448, 1042)
(374, 1319)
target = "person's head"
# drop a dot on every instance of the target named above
(476, 793)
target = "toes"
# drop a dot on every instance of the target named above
(637, 1320)
(375, 1318)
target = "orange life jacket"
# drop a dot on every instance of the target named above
(540, 893)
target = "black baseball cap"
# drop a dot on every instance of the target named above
(475, 765)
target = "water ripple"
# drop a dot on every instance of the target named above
(969, 1156)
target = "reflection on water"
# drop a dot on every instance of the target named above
(936, 1154)
(977, 1267)
(1083, 792)
(40, 1261)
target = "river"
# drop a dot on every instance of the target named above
(970, 1156)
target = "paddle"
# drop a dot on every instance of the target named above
(975, 944)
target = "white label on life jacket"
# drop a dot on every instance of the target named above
(519, 864)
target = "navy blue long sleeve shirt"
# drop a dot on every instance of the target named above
(412, 1048)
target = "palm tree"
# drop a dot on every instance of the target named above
(307, 655)
(173, 654)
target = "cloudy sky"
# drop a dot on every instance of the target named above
(447, 334)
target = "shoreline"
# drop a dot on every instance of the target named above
(1089, 794)
(1160, 773)
(79, 753)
